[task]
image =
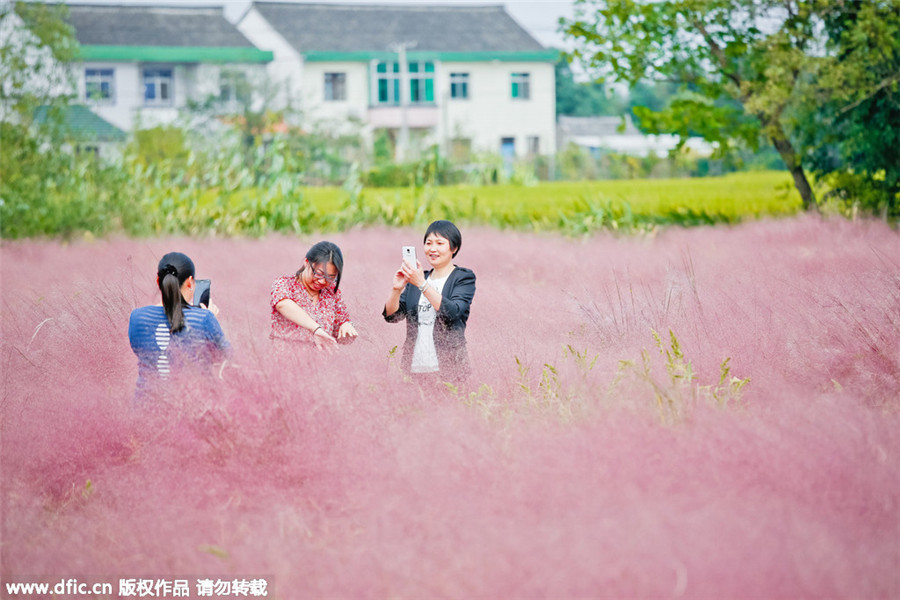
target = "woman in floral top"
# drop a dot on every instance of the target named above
(307, 307)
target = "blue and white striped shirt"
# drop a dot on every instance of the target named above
(200, 344)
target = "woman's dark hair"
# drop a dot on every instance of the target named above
(324, 253)
(448, 231)
(174, 269)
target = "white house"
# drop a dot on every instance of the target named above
(468, 78)
(141, 65)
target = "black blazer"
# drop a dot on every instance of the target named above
(449, 325)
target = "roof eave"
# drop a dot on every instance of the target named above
(546, 55)
(178, 54)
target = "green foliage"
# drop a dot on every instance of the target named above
(819, 80)
(747, 69)
(583, 99)
(142, 200)
(160, 144)
(36, 44)
(562, 397)
(431, 169)
(40, 181)
(383, 148)
(47, 191)
(675, 394)
(852, 126)
(568, 391)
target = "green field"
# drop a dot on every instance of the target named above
(571, 206)
(149, 203)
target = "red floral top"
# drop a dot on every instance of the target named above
(329, 311)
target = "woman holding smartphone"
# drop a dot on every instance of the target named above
(435, 304)
(175, 337)
(307, 307)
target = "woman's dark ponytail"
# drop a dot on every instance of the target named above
(174, 269)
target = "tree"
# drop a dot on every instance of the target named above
(583, 99)
(36, 49)
(747, 68)
(36, 45)
(649, 99)
(853, 127)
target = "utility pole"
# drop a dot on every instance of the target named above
(402, 144)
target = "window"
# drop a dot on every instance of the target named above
(388, 88)
(534, 145)
(158, 87)
(88, 149)
(521, 88)
(459, 85)
(421, 82)
(234, 89)
(99, 85)
(335, 86)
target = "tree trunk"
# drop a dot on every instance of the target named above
(795, 166)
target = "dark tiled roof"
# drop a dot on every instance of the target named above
(82, 124)
(374, 28)
(132, 25)
(597, 126)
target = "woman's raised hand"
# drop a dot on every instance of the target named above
(415, 276)
(400, 279)
(211, 308)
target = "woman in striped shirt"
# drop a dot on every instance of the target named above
(175, 338)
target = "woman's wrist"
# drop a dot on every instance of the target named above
(424, 286)
(316, 329)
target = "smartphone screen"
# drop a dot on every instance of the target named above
(409, 255)
(201, 292)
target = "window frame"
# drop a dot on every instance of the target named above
(520, 88)
(102, 75)
(158, 80)
(328, 91)
(421, 82)
(386, 82)
(234, 87)
(459, 82)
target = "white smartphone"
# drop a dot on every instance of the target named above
(409, 255)
(201, 292)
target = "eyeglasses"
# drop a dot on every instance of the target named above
(320, 274)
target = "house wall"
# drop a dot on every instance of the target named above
(489, 114)
(312, 95)
(285, 71)
(127, 110)
(118, 110)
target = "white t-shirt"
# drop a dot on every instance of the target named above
(425, 358)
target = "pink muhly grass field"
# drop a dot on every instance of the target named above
(582, 461)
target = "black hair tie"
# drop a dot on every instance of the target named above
(168, 270)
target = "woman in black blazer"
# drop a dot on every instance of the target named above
(435, 304)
